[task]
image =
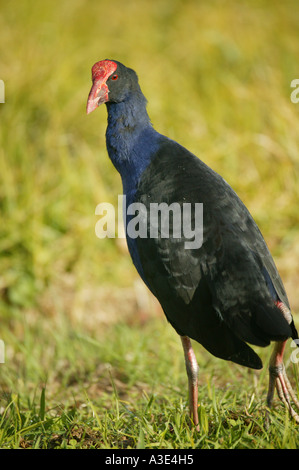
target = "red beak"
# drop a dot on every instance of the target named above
(98, 95)
(99, 90)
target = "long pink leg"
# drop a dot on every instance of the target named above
(278, 378)
(192, 372)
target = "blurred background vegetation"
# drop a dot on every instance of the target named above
(217, 78)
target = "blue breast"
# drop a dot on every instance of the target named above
(141, 154)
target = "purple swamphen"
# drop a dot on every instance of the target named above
(224, 293)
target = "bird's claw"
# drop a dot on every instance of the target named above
(280, 381)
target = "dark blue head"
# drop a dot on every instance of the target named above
(130, 137)
(112, 83)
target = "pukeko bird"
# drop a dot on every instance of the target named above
(225, 292)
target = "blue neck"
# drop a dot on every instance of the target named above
(131, 143)
(130, 138)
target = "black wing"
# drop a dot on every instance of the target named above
(223, 293)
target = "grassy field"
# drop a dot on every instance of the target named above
(90, 361)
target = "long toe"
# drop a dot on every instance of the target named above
(286, 394)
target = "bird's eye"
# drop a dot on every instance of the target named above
(114, 77)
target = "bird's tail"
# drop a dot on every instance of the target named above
(288, 316)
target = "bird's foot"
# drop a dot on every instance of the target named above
(278, 379)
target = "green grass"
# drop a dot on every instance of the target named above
(135, 396)
(89, 359)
